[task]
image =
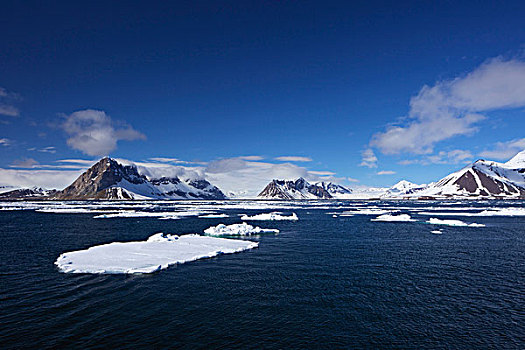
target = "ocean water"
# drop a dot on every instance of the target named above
(322, 282)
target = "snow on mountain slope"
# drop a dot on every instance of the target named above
(335, 190)
(109, 179)
(403, 189)
(483, 179)
(34, 193)
(290, 189)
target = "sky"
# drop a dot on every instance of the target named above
(363, 93)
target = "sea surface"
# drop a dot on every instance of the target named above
(322, 282)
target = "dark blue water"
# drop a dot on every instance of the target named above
(322, 282)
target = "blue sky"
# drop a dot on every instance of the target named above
(337, 86)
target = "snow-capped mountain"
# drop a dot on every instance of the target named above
(403, 189)
(109, 179)
(33, 193)
(483, 179)
(335, 190)
(302, 189)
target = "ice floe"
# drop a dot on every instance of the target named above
(270, 217)
(436, 232)
(148, 214)
(394, 218)
(372, 211)
(214, 216)
(436, 221)
(74, 211)
(486, 212)
(237, 230)
(157, 253)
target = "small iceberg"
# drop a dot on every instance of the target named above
(436, 221)
(394, 218)
(270, 217)
(158, 252)
(237, 230)
(436, 232)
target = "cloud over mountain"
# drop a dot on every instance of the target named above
(454, 107)
(94, 133)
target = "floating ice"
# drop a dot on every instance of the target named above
(147, 214)
(158, 252)
(436, 232)
(394, 218)
(213, 216)
(486, 212)
(270, 217)
(366, 212)
(436, 221)
(237, 230)
(74, 211)
(503, 212)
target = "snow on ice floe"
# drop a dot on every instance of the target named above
(270, 217)
(214, 216)
(372, 211)
(158, 252)
(436, 221)
(147, 214)
(237, 230)
(486, 212)
(394, 218)
(74, 211)
(436, 232)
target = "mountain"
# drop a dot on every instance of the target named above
(483, 179)
(302, 189)
(111, 180)
(402, 189)
(335, 190)
(32, 193)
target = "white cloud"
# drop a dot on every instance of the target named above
(386, 172)
(369, 158)
(49, 149)
(456, 156)
(8, 110)
(251, 157)
(452, 107)
(505, 150)
(322, 173)
(248, 178)
(24, 163)
(77, 161)
(41, 178)
(293, 159)
(94, 133)
(174, 161)
(452, 157)
(5, 142)
(6, 107)
(352, 179)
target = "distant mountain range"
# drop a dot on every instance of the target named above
(302, 189)
(109, 179)
(481, 179)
